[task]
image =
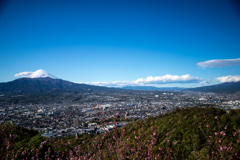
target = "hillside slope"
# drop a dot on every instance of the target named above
(193, 133)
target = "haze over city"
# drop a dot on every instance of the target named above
(122, 43)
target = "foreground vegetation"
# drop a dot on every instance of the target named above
(193, 133)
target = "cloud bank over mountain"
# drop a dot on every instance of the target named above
(167, 79)
(156, 81)
(37, 74)
(219, 63)
(229, 78)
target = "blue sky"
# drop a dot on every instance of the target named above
(108, 42)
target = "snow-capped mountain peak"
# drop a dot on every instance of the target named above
(37, 74)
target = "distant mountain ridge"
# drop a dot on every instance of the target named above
(223, 87)
(153, 88)
(47, 84)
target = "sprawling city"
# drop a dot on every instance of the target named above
(60, 119)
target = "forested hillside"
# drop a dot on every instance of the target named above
(192, 133)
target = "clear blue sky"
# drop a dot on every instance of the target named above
(105, 41)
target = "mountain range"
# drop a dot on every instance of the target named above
(43, 82)
(47, 84)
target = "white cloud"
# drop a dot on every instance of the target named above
(23, 74)
(219, 63)
(37, 74)
(203, 82)
(228, 78)
(167, 79)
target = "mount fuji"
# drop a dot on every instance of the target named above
(41, 81)
(37, 74)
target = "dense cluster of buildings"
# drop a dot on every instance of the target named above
(93, 113)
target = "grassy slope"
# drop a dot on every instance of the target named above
(188, 128)
(192, 133)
